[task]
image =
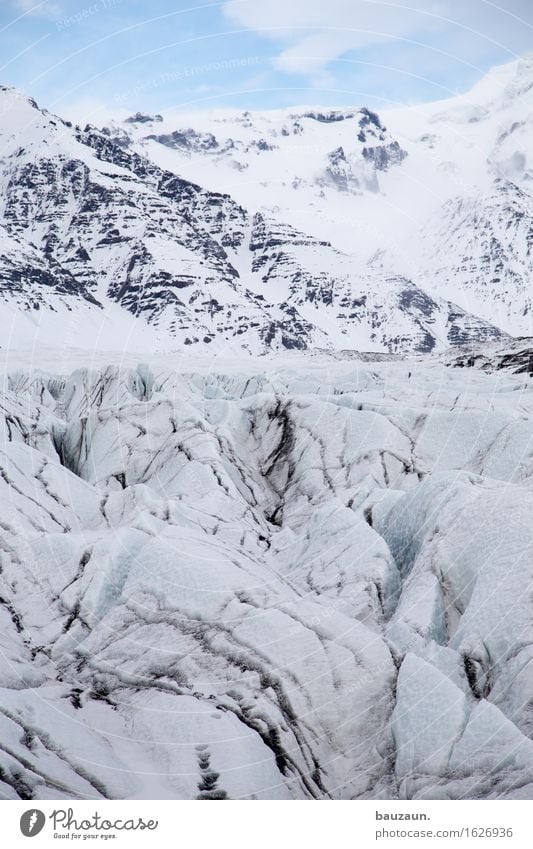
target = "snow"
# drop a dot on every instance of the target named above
(281, 562)
(309, 228)
(414, 221)
(308, 571)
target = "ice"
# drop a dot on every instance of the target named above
(296, 572)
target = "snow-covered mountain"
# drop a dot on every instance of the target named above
(296, 578)
(408, 231)
(304, 575)
(438, 193)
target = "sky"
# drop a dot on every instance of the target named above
(91, 59)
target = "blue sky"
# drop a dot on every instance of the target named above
(90, 57)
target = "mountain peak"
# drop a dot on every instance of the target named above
(503, 84)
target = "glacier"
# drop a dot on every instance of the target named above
(304, 576)
(266, 451)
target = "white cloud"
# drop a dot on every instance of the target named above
(313, 33)
(321, 32)
(41, 8)
(257, 14)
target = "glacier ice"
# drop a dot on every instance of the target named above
(315, 572)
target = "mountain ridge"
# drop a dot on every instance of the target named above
(268, 231)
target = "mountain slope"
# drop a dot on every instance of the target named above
(440, 195)
(108, 224)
